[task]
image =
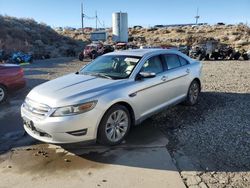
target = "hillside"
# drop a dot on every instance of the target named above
(39, 39)
(237, 36)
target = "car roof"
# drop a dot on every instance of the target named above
(142, 52)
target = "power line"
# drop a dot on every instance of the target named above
(84, 16)
(101, 24)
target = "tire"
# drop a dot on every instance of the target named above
(207, 57)
(193, 93)
(237, 56)
(108, 128)
(3, 94)
(94, 54)
(245, 57)
(81, 56)
(200, 57)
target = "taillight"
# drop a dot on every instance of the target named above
(21, 71)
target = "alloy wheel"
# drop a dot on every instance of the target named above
(194, 92)
(117, 125)
(2, 94)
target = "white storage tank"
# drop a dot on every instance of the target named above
(120, 27)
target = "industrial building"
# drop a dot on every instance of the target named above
(101, 35)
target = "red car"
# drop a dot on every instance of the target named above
(11, 79)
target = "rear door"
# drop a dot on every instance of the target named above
(177, 76)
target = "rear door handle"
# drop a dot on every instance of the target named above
(188, 71)
(164, 78)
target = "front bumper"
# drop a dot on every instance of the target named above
(63, 129)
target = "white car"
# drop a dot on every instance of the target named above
(109, 95)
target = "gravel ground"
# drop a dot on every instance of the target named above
(210, 142)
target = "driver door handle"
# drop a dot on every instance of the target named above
(188, 71)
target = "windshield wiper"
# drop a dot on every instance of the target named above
(102, 75)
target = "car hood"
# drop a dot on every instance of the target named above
(9, 65)
(71, 89)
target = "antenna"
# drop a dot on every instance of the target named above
(96, 18)
(82, 17)
(197, 16)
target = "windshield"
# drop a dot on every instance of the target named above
(111, 66)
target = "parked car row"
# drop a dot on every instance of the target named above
(97, 49)
(94, 50)
(202, 52)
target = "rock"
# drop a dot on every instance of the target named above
(243, 42)
(39, 42)
(193, 180)
(193, 186)
(188, 173)
(67, 160)
(202, 185)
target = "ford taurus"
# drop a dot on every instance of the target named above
(109, 95)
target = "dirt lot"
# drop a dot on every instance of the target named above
(210, 142)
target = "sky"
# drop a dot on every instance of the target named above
(140, 12)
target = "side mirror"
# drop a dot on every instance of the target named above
(142, 75)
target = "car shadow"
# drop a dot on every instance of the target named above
(167, 122)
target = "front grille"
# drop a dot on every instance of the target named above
(35, 108)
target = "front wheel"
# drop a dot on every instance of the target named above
(193, 93)
(3, 94)
(114, 126)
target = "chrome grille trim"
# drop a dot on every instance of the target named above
(37, 109)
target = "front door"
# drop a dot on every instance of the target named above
(148, 94)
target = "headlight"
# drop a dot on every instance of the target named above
(74, 109)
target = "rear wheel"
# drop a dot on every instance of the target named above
(193, 93)
(114, 126)
(94, 54)
(81, 56)
(3, 94)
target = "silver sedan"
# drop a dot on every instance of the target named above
(109, 95)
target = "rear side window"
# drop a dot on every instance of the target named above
(183, 61)
(172, 61)
(153, 64)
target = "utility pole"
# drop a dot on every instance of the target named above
(96, 20)
(82, 17)
(197, 16)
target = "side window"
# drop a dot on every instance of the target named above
(183, 61)
(172, 61)
(153, 64)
